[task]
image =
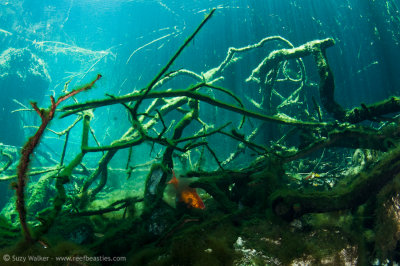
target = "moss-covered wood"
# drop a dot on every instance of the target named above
(347, 195)
(233, 191)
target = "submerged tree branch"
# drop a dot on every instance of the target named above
(194, 95)
(293, 203)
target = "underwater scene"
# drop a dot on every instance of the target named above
(167, 132)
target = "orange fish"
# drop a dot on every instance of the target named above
(186, 194)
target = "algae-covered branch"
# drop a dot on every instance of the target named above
(269, 158)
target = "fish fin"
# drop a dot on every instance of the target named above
(173, 173)
(173, 180)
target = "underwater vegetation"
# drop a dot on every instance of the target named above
(257, 212)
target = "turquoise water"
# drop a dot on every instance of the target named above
(241, 138)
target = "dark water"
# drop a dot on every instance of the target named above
(49, 46)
